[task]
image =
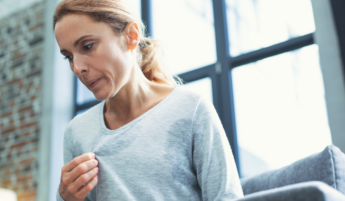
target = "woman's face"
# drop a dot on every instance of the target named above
(102, 60)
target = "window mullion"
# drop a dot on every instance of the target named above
(223, 82)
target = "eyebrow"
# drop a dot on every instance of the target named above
(76, 42)
(81, 38)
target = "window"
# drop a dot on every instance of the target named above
(278, 88)
(280, 110)
(257, 62)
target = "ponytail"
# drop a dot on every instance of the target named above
(151, 63)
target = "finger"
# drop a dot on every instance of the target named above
(76, 161)
(81, 169)
(81, 180)
(84, 190)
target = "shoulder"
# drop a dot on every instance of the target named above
(199, 102)
(187, 101)
(180, 104)
(186, 96)
(182, 100)
(85, 119)
(205, 112)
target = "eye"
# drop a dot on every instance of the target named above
(87, 47)
(68, 57)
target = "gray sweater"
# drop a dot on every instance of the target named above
(177, 150)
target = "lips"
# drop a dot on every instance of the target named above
(93, 82)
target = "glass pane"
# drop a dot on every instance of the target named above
(185, 31)
(254, 24)
(202, 87)
(84, 95)
(280, 110)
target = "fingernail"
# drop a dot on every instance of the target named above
(92, 155)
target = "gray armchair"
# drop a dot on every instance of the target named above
(318, 177)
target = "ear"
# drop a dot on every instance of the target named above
(132, 35)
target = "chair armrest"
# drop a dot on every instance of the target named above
(306, 191)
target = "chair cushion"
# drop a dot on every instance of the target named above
(327, 166)
(306, 191)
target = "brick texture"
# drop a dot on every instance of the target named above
(21, 63)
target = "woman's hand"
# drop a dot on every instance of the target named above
(75, 174)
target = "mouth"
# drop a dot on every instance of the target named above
(93, 83)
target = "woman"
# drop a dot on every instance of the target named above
(148, 139)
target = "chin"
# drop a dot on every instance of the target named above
(105, 93)
(101, 96)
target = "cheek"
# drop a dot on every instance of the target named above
(114, 64)
(118, 67)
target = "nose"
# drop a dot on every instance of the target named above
(79, 65)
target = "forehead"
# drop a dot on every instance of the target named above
(73, 26)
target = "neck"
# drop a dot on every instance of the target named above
(131, 98)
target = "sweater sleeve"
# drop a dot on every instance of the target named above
(212, 157)
(67, 156)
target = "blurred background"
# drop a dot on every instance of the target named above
(274, 70)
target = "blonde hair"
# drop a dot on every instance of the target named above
(117, 14)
